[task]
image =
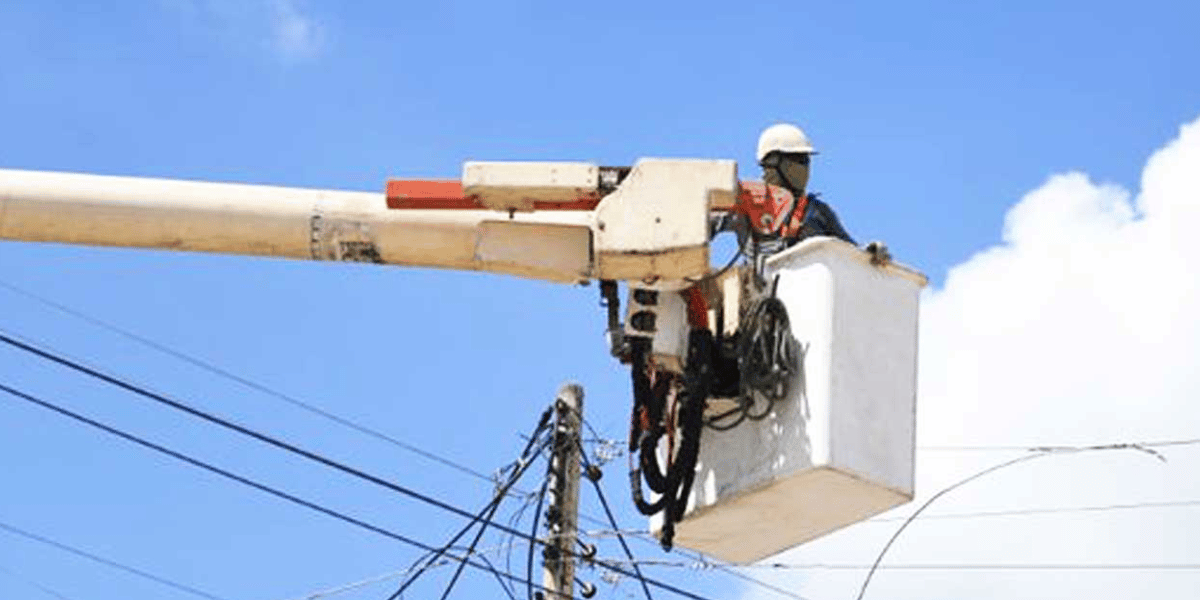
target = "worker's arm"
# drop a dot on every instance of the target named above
(819, 219)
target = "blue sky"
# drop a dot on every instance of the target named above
(933, 119)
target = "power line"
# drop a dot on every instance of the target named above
(537, 516)
(45, 589)
(514, 521)
(1022, 567)
(108, 562)
(1041, 511)
(488, 520)
(611, 518)
(249, 383)
(977, 514)
(1033, 455)
(732, 570)
(232, 426)
(592, 473)
(702, 565)
(485, 516)
(645, 535)
(1059, 447)
(249, 482)
(272, 441)
(349, 587)
(699, 561)
(1040, 451)
(378, 435)
(259, 387)
(306, 406)
(363, 429)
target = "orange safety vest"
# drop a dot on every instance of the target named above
(766, 205)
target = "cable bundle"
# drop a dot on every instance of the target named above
(651, 420)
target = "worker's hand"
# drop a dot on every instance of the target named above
(879, 253)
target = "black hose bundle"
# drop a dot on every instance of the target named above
(766, 359)
(649, 422)
(765, 351)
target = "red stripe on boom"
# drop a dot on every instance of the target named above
(418, 194)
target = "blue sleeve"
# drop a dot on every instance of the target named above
(819, 219)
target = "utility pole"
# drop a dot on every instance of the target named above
(558, 575)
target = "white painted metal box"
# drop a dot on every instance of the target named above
(840, 448)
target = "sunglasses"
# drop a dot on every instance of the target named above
(775, 159)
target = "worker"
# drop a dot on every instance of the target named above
(785, 154)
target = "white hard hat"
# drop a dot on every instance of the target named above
(783, 137)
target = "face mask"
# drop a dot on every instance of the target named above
(795, 175)
(790, 171)
(771, 176)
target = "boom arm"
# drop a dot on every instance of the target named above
(551, 221)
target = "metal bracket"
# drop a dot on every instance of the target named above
(342, 240)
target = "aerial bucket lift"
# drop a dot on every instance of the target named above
(773, 399)
(838, 446)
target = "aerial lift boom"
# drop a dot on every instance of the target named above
(566, 222)
(704, 345)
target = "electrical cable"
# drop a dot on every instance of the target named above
(1053, 447)
(650, 419)
(492, 506)
(1038, 453)
(537, 515)
(1042, 511)
(485, 515)
(1031, 567)
(108, 562)
(292, 448)
(503, 585)
(980, 514)
(698, 558)
(488, 520)
(700, 561)
(730, 570)
(647, 425)
(41, 587)
(514, 521)
(612, 519)
(765, 355)
(249, 482)
(249, 383)
(714, 422)
(232, 426)
(741, 251)
(702, 565)
(394, 574)
(698, 378)
(349, 587)
(225, 423)
(727, 569)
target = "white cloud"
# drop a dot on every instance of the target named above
(295, 34)
(1082, 326)
(281, 27)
